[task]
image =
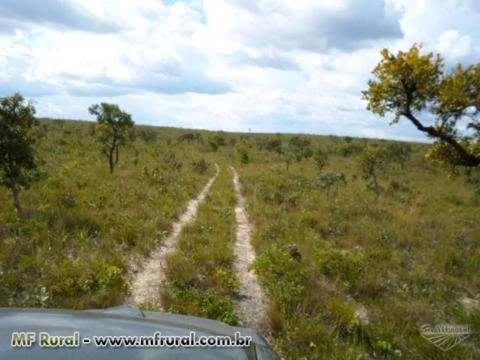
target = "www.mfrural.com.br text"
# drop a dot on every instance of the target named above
(157, 340)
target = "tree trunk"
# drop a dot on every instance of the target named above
(111, 160)
(116, 155)
(16, 197)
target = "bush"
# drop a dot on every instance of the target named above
(350, 150)
(399, 152)
(321, 159)
(330, 180)
(147, 135)
(171, 160)
(345, 265)
(200, 166)
(272, 145)
(285, 278)
(372, 162)
(189, 137)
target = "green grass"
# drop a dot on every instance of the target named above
(200, 277)
(404, 254)
(82, 225)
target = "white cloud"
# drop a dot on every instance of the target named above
(268, 65)
(455, 44)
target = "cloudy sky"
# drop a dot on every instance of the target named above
(265, 65)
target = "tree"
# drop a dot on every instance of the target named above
(17, 157)
(301, 148)
(242, 153)
(115, 129)
(272, 145)
(321, 159)
(372, 161)
(329, 180)
(410, 83)
(399, 152)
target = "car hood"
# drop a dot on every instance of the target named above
(120, 321)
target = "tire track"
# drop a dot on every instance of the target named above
(252, 304)
(145, 286)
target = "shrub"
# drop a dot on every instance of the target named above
(171, 160)
(200, 166)
(372, 162)
(350, 150)
(399, 152)
(321, 159)
(147, 135)
(329, 180)
(345, 265)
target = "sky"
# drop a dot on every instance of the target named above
(288, 66)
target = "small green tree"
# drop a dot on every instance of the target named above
(301, 148)
(373, 161)
(17, 159)
(399, 152)
(115, 129)
(321, 159)
(272, 145)
(242, 153)
(288, 155)
(330, 180)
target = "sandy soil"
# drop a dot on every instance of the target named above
(251, 304)
(145, 285)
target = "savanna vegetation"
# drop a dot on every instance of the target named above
(201, 280)
(359, 242)
(81, 226)
(357, 255)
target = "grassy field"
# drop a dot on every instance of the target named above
(201, 278)
(352, 264)
(355, 273)
(82, 226)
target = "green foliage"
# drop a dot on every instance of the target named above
(114, 130)
(319, 261)
(272, 145)
(284, 277)
(189, 137)
(399, 152)
(200, 166)
(331, 292)
(171, 161)
(217, 140)
(328, 181)
(399, 76)
(345, 265)
(17, 156)
(409, 83)
(242, 153)
(300, 148)
(205, 304)
(350, 150)
(321, 159)
(200, 276)
(82, 228)
(373, 161)
(148, 135)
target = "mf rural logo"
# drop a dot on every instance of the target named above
(445, 337)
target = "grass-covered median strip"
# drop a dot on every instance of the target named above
(354, 274)
(201, 280)
(81, 225)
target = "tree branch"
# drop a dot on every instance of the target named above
(465, 158)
